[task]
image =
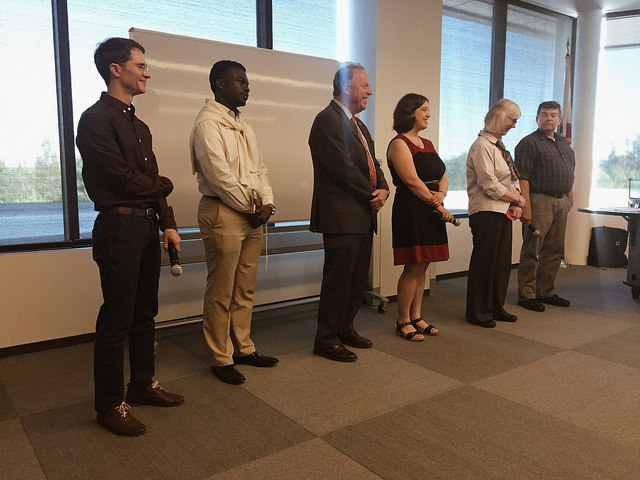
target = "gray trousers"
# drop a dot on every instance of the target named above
(540, 257)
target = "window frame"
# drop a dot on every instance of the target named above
(66, 130)
(499, 26)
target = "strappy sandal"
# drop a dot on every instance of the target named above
(414, 336)
(427, 331)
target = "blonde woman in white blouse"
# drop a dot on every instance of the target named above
(494, 191)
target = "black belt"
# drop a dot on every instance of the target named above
(211, 197)
(136, 212)
(554, 195)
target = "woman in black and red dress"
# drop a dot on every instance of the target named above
(418, 218)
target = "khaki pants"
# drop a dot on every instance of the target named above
(232, 248)
(540, 257)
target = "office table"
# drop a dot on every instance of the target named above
(632, 216)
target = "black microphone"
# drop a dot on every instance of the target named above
(455, 222)
(176, 269)
(534, 231)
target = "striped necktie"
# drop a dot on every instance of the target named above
(372, 170)
(508, 159)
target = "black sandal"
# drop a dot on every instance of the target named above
(414, 336)
(427, 331)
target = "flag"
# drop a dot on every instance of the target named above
(565, 127)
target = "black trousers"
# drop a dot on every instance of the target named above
(490, 265)
(127, 251)
(344, 281)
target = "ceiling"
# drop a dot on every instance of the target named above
(573, 7)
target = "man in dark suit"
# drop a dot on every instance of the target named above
(349, 189)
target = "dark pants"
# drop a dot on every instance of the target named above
(344, 281)
(127, 251)
(490, 265)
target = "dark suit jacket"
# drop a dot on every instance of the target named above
(341, 186)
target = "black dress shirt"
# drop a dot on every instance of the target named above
(548, 165)
(119, 167)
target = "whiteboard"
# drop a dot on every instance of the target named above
(287, 92)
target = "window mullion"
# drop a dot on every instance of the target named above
(498, 50)
(65, 119)
(264, 23)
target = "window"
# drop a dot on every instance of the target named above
(31, 208)
(90, 22)
(616, 146)
(30, 182)
(464, 88)
(533, 64)
(305, 26)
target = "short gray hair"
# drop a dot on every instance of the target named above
(344, 76)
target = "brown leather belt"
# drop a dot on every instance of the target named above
(136, 212)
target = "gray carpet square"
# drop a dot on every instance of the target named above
(593, 289)
(323, 395)
(17, 461)
(7, 411)
(557, 326)
(191, 340)
(623, 347)
(276, 332)
(586, 391)
(464, 351)
(172, 362)
(48, 379)
(469, 434)
(54, 378)
(217, 428)
(284, 330)
(309, 461)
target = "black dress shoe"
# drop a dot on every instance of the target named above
(482, 323)
(555, 300)
(505, 317)
(337, 353)
(256, 359)
(532, 304)
(228, 374)
(357, 341)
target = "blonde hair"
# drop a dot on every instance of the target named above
(494, 118)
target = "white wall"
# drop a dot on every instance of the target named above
(56, 293)
(407, 50)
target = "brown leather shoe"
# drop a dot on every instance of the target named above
(154, 395)
(120, 421)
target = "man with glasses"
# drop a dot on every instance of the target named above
(546, 166)
(121, 176)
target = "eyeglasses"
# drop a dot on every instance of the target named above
(140, 66)
(513, 121)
